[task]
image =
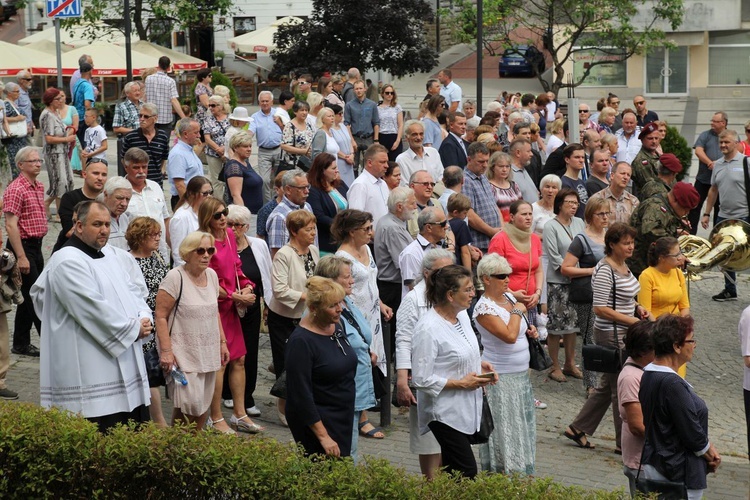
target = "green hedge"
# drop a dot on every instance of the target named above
(677, 145)
(51, 454)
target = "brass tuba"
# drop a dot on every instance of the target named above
(728, 246)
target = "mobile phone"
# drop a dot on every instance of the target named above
(490, 375)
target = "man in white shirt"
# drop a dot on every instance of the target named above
(369, 191)
(418, 156)
(453, 180)
(450, 90)
(520, 154)
(148, 197)
(628, 143)
(432, 223)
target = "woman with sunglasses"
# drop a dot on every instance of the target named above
(584, 253)
(499, 317)
(663, 287)
(189, 332)
(293, 264)
(185, 218)
(14, 145)
(243, 182)
(391, 121)
(215, 128)
(235, 292)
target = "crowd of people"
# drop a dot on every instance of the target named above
(472, 237)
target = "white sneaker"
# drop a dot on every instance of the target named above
(539, 405)
(541, 327)
(253, 412)
(228, 403)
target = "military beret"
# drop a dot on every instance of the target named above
(686, 195)
(671, 162)
(647, 129)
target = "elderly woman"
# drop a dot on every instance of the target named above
(185, 218)
(296, 139)
(244, 184)
(189, 332)
(412, 308)
(57, 141)
(584, 253)
(321, 370)
(293, 264)
(203, 92)
(358, 335)
(235, 294)
(215, 128)
(323, 140)
(501, 179)
(14, 145)
(238, 122)
(345, 156)
(562, 318)
(640, 347)
(143, 237)
(327, 197)
(256, 265)
(116, 195)
(503, 329)
(543, 212)
(446, 368)
(609, 143)
(615, 290)
(226, 94)
(391, 121)
(677, 447)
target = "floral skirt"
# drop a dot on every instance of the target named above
(563, 318)
(512, 445)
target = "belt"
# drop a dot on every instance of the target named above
(32, 241)
(268, 149)
(363, 136)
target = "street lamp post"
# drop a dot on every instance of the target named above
(480, 34)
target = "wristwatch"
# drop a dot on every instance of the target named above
(706, 215)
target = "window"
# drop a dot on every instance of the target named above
(729, 58)
(244, 25)
(612, 73)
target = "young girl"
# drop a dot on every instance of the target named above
(95, 139)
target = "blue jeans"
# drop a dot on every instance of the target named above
(730, 277)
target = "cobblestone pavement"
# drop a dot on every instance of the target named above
(715, 372)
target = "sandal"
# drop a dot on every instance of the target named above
(371, 433)
(244, 424)
(211, 424)
(578, 438)
(557, 378)
(575, 373)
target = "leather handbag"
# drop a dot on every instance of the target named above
(539, 360)
(604, 359)
(486, 425)
(17, 129)
(279, 387)
(579, 290)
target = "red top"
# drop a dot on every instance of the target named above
(26, 201)
(520, 279)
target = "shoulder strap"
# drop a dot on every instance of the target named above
(614, 302)
(747, 181)
(176, 303)
(645, 436)
(633, 365)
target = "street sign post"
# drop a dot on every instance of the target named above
(61, 9)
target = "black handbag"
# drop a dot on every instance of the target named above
(486, 426)
(278, 388)
(604, 359)
(579, 290)
(539, 360)
(153, 368)
(666, 489)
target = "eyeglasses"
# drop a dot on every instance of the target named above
(470, 289)
(33, 161)
(203, 250)
(388, 93)
(441, 223)
(303, 188)
(571, 202)
(603, 214)
(146, 117)
(367, 229)
(155, 235)
(223, 213)
(675, 255)
(206, 194)
(60, 98)
(235, 224)
(425, 184)
(500, 276)
(27, 79)
(691, 341)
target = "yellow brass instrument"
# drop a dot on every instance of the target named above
(728, 247)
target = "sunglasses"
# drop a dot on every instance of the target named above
(203, 250)
(441, 223)
(583, 110)
(213, 105)
(500, 276)
(638, 103)
(206, 194)
(425, 184)
(223, 213)
(146, 117)
(388, 93)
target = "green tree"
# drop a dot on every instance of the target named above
(614, 29)
(386, 35)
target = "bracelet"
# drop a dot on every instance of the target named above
(166, 350)
(516, 310)
(223, 341)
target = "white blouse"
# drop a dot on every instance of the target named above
(412, 308)
(505, 357)
(442, 351)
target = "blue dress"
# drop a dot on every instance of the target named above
(252, 184)
(358, 327)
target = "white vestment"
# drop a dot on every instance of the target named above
(91, 359)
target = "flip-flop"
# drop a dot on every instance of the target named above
(576, 437)
(557, 378)
(371, 433)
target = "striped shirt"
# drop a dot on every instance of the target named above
(157, 149)
(627, 290)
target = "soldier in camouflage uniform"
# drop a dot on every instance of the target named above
(662, 215)
(668, 167)
(646, 162)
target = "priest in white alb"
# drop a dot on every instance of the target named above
(93, 317)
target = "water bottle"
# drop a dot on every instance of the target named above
(178, 376)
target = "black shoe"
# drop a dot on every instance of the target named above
(29, 350)
(724, 296)
(8, 394)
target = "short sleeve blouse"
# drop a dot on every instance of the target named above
(505, 357)
(389, 118)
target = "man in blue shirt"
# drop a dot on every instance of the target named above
(362, 119)
(83, 98)
(24, 101)
(183, 164)
(267, 127)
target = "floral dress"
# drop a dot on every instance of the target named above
(297, 138)
(154, 270)
(56, 155)
(218, 131)
(202, 112)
